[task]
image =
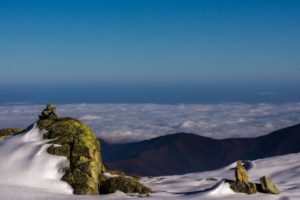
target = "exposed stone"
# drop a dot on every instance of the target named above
(241, 184)
(124, 184)
(268, 186)
(76, 141)
(241, 173)
(4, 133)
(49, 112)
(241, 187)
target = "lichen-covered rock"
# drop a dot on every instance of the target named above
(124, 184)
(75, 140)
(268, 186)
(242, 187)
(4, 133)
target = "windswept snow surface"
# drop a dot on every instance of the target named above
(24, 162)
(27, 172)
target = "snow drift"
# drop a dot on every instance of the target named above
(25, 162)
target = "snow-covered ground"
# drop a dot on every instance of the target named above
(27, 172)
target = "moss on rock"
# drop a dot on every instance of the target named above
(4, 133)
(76, 141)
(124, 184)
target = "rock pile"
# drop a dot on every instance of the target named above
(49, 112)
(242, 185)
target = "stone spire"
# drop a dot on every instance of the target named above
(241, 173)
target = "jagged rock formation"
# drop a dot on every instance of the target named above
(4, 133)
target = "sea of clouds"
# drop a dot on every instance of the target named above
(134, 122)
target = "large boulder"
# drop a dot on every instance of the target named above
(76, 141)
(268, 186)
(4, 133)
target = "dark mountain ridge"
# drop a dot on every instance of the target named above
(185, 152)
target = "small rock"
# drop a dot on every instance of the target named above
(240, 187)
(211, 179)
(268, 186)
(49, 112)
(124, 184)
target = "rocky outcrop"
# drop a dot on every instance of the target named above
(4, 133)
(76, 141)
(124, 184)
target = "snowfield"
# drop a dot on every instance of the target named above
(28, 172)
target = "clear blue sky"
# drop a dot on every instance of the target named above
(149, 40)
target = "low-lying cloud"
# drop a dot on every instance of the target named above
(133, 122)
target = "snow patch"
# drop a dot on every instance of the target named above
(221, 189)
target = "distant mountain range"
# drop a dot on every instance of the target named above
(182, 153)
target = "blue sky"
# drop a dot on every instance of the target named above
(150, 41)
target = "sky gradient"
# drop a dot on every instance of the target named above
(151, 42)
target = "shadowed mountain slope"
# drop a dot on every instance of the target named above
(184, 152)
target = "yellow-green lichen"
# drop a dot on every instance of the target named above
(79, 144)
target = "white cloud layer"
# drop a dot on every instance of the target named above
(132, 122)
